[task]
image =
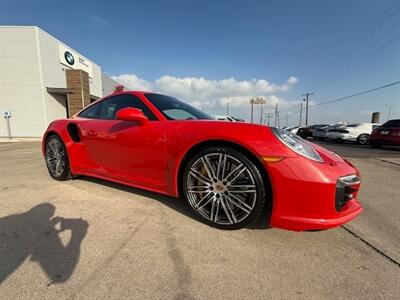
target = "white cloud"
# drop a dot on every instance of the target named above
(213, 95)
(133, 82)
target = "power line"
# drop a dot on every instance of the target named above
(349, 96)
(356, 94)
(371, 49)
(367, 34)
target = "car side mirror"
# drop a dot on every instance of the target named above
(132, 114)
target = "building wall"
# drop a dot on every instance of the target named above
(21, 90)
(108, 84)
(54, 75)
(29, 63)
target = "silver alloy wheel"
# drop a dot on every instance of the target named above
(363, 139)
(55, 157)
(221, 188)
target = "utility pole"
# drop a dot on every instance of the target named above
(286, 123)
(390, 109)
(227, 108)
(252, 108)
(268, 116)
(307, 95)
(276, 114)
(261, 113)
(301, 111)
(279, 121)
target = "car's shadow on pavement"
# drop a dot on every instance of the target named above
(178, 204)
(35, 234)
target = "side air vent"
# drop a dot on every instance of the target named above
(73, 132)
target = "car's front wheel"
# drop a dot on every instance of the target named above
(57, 158)
(363, 139)
(224, 187)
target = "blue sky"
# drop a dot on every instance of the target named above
(202, 45)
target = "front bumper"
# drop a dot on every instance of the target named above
(305, 193)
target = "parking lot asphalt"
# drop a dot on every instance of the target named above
(87, 238)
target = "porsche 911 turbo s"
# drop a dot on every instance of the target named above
(228, 172)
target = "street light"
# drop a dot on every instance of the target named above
(257, 100)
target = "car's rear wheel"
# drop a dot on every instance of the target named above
(363, 139)
(224, 187)
(57, 158)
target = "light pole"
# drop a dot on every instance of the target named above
(252, 99)
(257, 100)
(390, 109)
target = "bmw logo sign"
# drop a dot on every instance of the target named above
(69, 58)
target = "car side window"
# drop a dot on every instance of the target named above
(92, 112)
(392, 123)
(113, 104)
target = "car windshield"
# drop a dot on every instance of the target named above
(174, 109)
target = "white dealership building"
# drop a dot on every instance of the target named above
(43, 79)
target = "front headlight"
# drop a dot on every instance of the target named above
(297, 144)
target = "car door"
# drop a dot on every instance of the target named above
(126, 150)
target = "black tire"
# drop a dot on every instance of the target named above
(57, 160)
(362, 139)
(220, 196)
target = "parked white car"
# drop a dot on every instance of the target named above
(293, 129)
(224, 118)
(353, 132)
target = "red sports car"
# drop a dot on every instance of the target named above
(387, 134)
(228, 172)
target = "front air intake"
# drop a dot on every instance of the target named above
(346, 189)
